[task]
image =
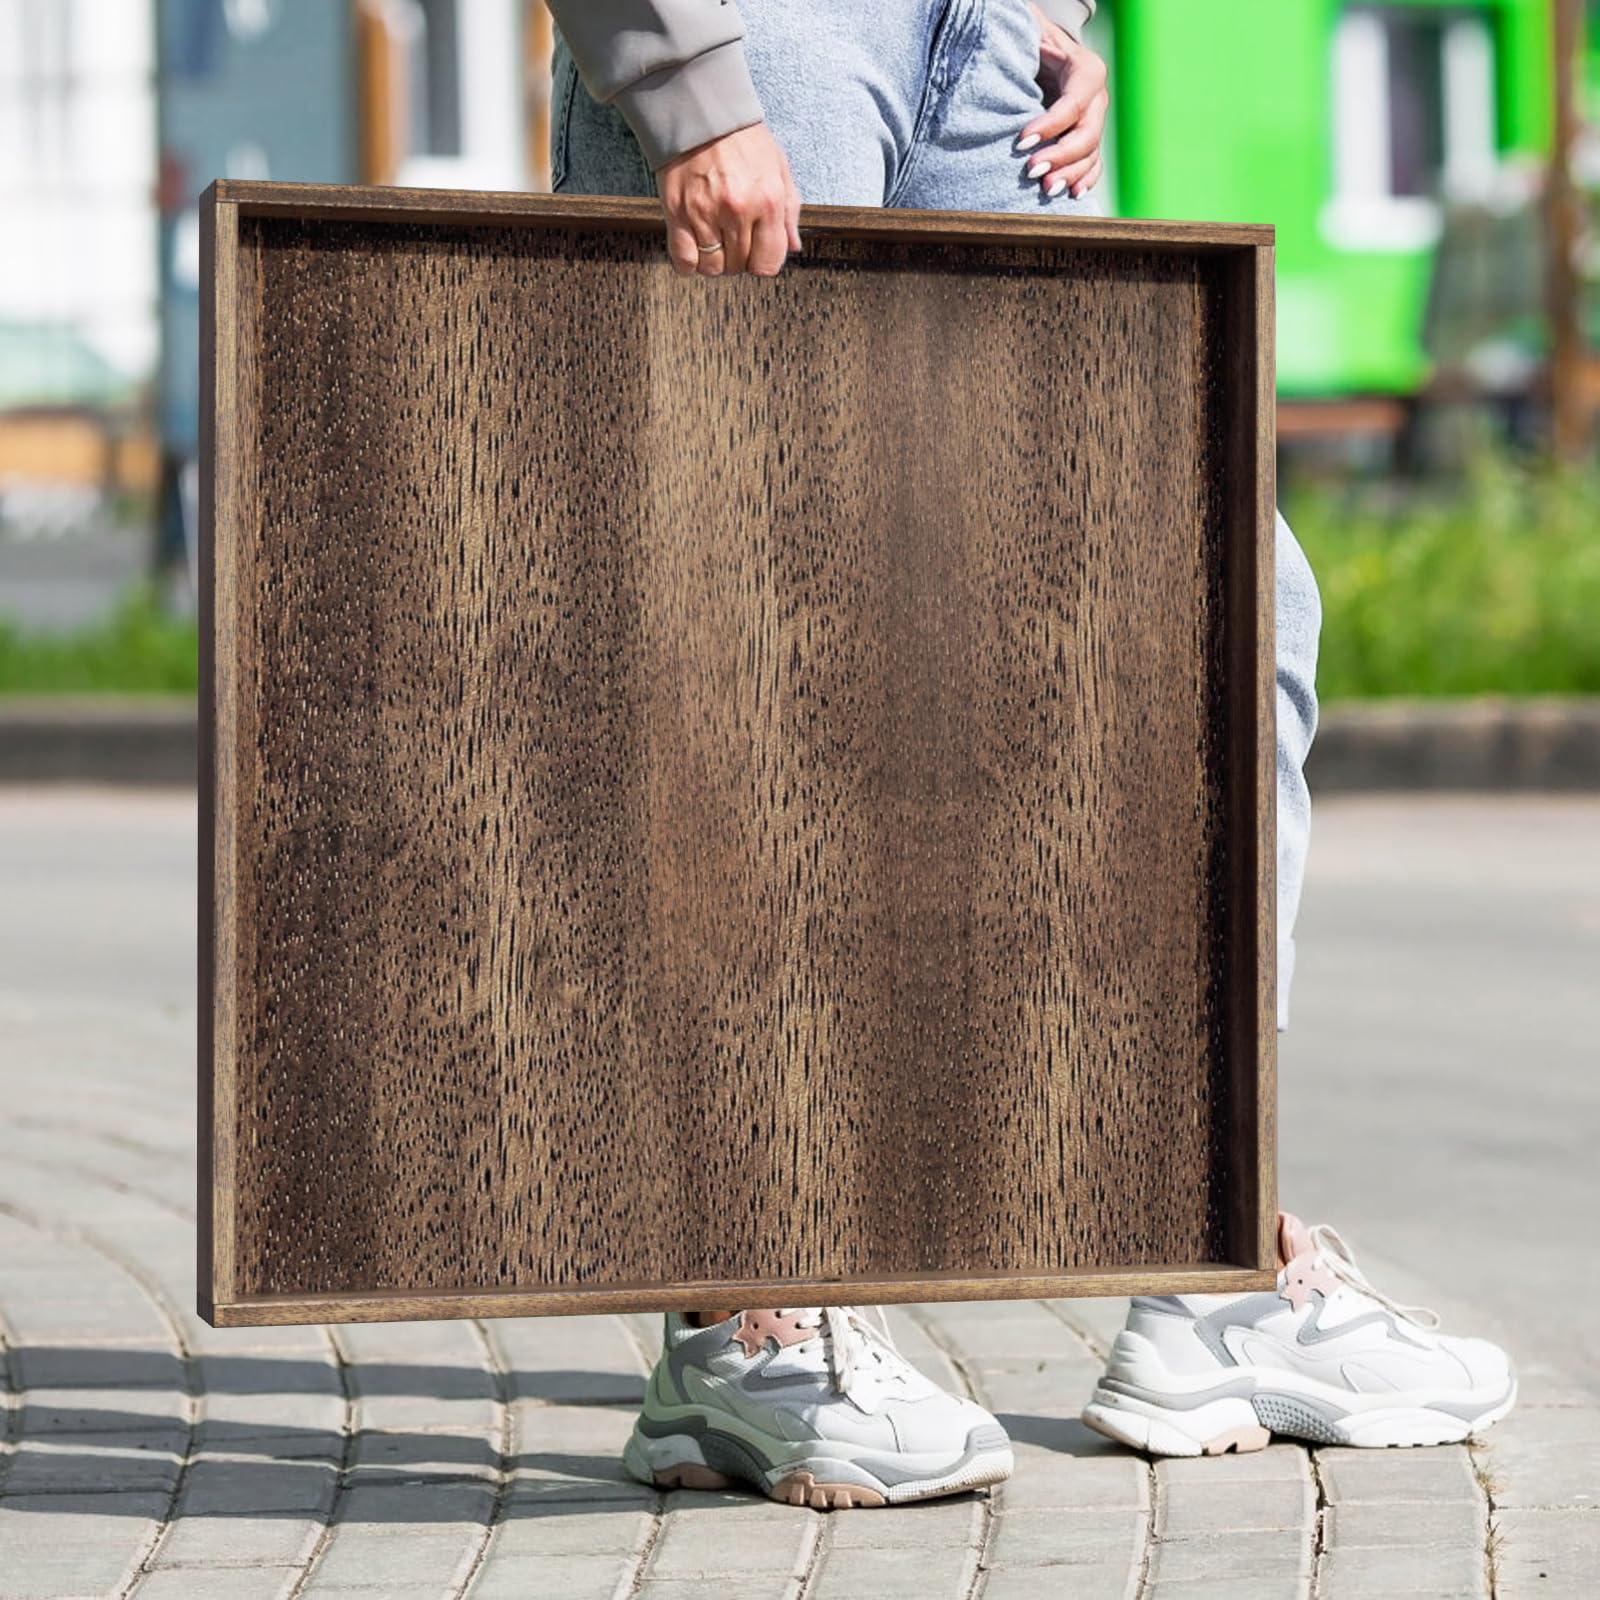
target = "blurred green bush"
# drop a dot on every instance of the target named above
(140, 648)
(1492, 586)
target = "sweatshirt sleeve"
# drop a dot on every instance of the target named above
(1071, 14)
(675, 69)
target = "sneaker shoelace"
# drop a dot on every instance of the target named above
(1342, 1263)
(853, 1345)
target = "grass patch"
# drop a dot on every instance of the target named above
(139, 648)
(1491, 587)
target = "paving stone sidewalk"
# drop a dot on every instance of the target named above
(146, 1454)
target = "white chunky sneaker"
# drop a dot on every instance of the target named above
(813, 1406)
(1325, 1357)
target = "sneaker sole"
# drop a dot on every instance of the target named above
(678, 1461)
(1241, 1423)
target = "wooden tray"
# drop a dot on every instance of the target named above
(730, 793)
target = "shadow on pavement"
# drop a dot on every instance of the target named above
(68, 1445)
(1065, 1436)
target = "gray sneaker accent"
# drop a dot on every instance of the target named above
(1232, 1389)
(740, 1459)
(725, 1451)
(1313, 1333)
(1254, 1308)
(1471, 1411)
(1161, 1302)
(695, 1350)
(1245, 1312)
(789, 1380)
(1295, 1414)
(704, 1343)
(651, 1429)
(985, 1437)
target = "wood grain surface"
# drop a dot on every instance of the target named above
(729, 785)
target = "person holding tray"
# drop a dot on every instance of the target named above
(730, 114)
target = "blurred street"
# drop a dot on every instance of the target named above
(1439, 1105)
(1440, 1081)
(71, 580)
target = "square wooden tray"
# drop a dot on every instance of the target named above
(730, 793)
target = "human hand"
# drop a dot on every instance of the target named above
(1073, 78)
(736, 190)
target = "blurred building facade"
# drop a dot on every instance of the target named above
(421, 93)
(1352, 128)
(116, 114)
(78, 332)
(1357, 128)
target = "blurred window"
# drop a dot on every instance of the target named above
(463, 113)
(1413, 108)
(436, 76)
(1416, 45)
(77, 182)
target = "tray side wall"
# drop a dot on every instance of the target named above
(1249, 503)
(218, 730)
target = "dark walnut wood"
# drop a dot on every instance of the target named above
(738, 792)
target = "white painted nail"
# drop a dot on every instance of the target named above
(1037, 168)
(1027, 141)
(1056, 185)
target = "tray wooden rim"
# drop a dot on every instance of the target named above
(368, 203)
(1248, 252)
(404, 1305)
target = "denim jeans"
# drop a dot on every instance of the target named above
(918, 103)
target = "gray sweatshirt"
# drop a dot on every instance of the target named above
(676, 68)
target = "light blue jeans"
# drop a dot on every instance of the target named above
(918, 103)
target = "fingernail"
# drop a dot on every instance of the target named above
(1027, 141)
(1037, 168)
(1056, 185)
